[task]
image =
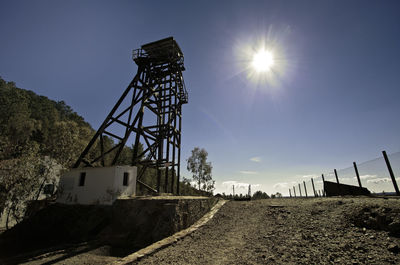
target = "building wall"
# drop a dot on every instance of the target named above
(101, 186)
(118, 180)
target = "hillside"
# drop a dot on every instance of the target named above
(39, 137)
(28, 121)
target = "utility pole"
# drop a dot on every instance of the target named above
(305, 188)
(391, 173)
(337, 178)
(358, 175)
(313, 187)
(300, 190)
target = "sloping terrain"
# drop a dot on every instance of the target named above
(293, 231)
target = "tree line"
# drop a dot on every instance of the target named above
(258, 195)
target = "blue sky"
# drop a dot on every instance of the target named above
(333, 99)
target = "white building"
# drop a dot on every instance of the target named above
(93, 185)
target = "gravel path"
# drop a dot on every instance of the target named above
(293, 231)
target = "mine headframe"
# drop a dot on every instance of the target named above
(151, 109)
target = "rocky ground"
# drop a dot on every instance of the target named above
(278, 231)
(293, 231)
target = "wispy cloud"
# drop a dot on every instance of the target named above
(280, 185)
(256, 159)
(310, 176)
(378, 181)
(240, 187)
(248, 172)
(231, 183)
(367, 177)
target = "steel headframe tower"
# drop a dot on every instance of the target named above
(151, 107)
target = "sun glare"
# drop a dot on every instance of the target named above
(263, 61)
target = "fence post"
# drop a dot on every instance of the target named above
(290, 194)
(323, 185)
(294, 191)
(313, 187)
(358, 175)
(391, 173)
(300, 190)
(337, 179)
(305, 188)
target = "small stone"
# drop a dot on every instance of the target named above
(394, 248)
(364, 229)
(394, 227)
(372, 237)
(387, 209)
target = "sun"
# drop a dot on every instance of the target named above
(263, 61)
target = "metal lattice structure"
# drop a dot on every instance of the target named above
(151, 108)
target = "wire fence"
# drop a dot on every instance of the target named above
(376, 175)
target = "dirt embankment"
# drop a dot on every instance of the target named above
(293, 231)
(276, 231)
(98, 234)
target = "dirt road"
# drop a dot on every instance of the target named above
(293, 231)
